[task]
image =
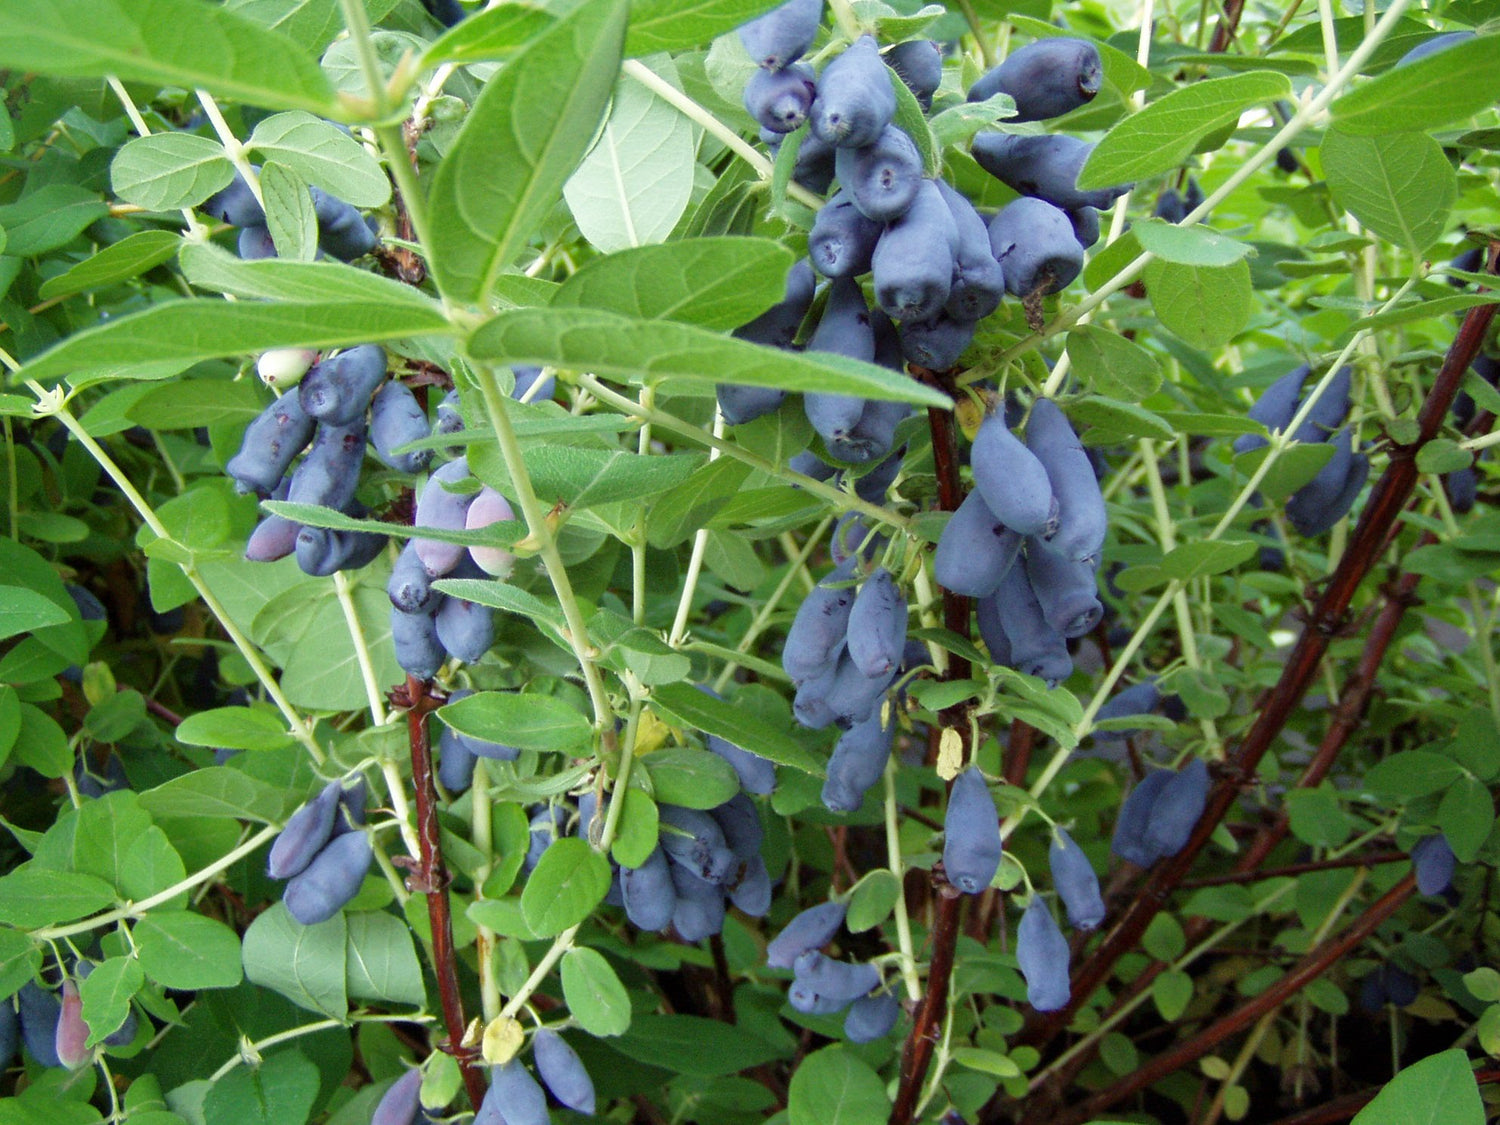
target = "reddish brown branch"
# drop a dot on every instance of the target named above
(429, 877)
(1314, 965)
(1252, 875)
(1228, 26)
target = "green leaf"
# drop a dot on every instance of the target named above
(1189, 246)
(1454, 84)
(19, 961)
(596, 998)
(380, 960)
(1412, 773)
(209, 267)
(524, 136)
(23, 611)
(1206, 556)
(280, 1090)
(1109, 420)
(495, 33)
(31, 896)
(582, 477)
(187, 404)
(716, 283)
(1466, 815)
(1399, 185)
(871, 900)
(215, 791)
(960, 124)
(696, 1045)
(323, 156)
(678, 25)
(1317, 817)
(128, 258)
(188, 951)
(694, 779)
(1203, 305)
(836, 1087)
(562, 890)
(169, 42)
(652, 350)
(638, 830)
(188, 331)
(234, 728)
(1112, 365)
(635, 183)
(49, 217)
(1439, 1090)
(499, 595)
(1172, 992)
(289, 213)
(1164, 134)
(306, 964)
(525, 720)
(106, 996)
(689, 707)
(165, 171)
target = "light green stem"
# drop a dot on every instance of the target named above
(898, 869)
(482, 835)
(252, 1051)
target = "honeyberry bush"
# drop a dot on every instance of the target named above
(661, 771)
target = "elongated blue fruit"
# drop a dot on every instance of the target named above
(351, 812)
(918, 63)
(649, 895)
(1077, 884)
(975, 549)
(40, 1010)
(1036, 648)
(1359, 472)
(322, 889)
(418, 650)
(1036, 246)
(1082, 519)
(322, 551)
(1085, 222)
(306, 832)
(546, 825)
(1309, 508)
(72, 1033)
(255, 244)
(274, 537)
(779, 99)
(329, 474)
(1434, 863)
(1462, 487)
(1169, 206)
(448, 13)
(1177, 809)
(396, 419)
(699, 911)
(236, 204)
(845, 327)
(1042, 953)
(858, 762)
(740, 823)
(877, 625)
(1068, 592)
(1329, 412)
(971, 834)
(527, 377)
(936, 343)
(913, 262)
(343, 232)
(978, 282)
(817, 632)
(1012, 480)
(756, 774)
(1130, 840)
(851, 538)
(809, 464)
(455, 762)
(876, 482)
(450, 419)
(752, 893)
(514, 1098)
(1137, 699)
(871, 1017)
(810, 930)
(1274, 408)
(777, 326)
(1046, 79)
(842, 240)
(834, 416)
(400, 1104)
(562, 1071)
(1045, 166)
(883, 176)
(338, 390)
(276, 435)
(740, 403)
(10, 1034)
(852, 696)
(438, 507)
(1434, 45)
(992, 631)
(822, 986)
(810, 705)
(782, 35)
(854, 100)
(698, 843)
(410, 586)
(465, 629)
(873, 435)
